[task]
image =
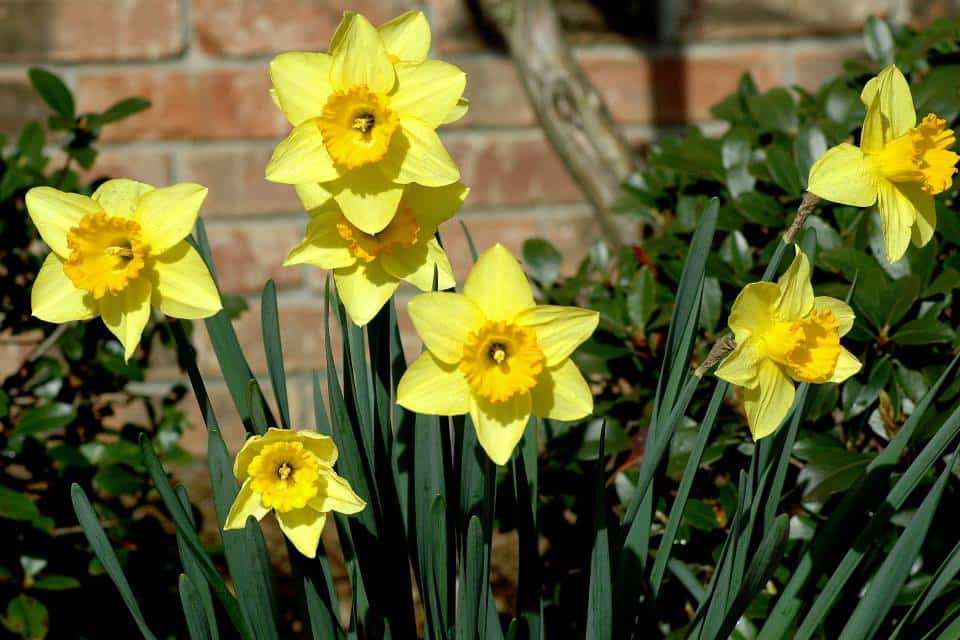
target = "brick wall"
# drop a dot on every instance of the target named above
(203, 63)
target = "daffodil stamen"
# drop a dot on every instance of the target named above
(285, 475)
(106, 254)
(357, 126)
(501, 360)
(807, 348)
(921, 155)
(403, 232)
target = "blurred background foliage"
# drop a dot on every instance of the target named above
(70, 413)
(905, 332)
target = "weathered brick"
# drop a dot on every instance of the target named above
(247, 254)
(301, 328)
(815, 64)
(675, 88)
(497, 97)
(743, 19)
(19, 103)
(145, 165)
(244, 28)
(220, 103)
(234, 176)
(83, 30)
(516, 167)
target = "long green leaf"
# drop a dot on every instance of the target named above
(273, 349)
(599, 594)
(90, 524)
(193, 609)
(945, 574)
(524, 474)
(194, 573)
(471, 619)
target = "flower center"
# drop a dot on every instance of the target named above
(807, 348)
(357, 126)
(921, 155)
(106, 253)
(285, 476)
(402, 233)
(501, 360)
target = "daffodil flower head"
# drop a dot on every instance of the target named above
(900, 164)
(118, 253)
(369, 267)
(365, 116)
(291, 473)
(784, 334)
(494, 353)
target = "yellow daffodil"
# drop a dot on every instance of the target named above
(291, 473)
(368, 268)
(119, 251)
(365, 116)
(494, 353)
(899, 165)
(784, 333)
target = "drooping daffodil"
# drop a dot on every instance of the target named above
(291, 473)
(368, 268)
(784, 334)
(494, 353)
(116, 253)
(365, 116)
(900, 165)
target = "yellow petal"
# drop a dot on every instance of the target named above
(428, 90)
(890, 112)
(897, 217)
(559, 330)
(847, 365)
(322, 246)
(336, 494)
(301, 158)
(796, 292)
(316, 443)
(407, 36)
(434, 205)
(303, 528)
(767, 404)
(443, 321)
(562, 394)
(55, 298)
(246, 504)
(120, 197)
(459, 110)
(301, 83)
(926, 222)
(753, 310)
(742, 365)
(314, 196)
(184, 287)
(359, 56)
(54, 213)
(840, 310)
(127, 313)
(364, 288)
(843, 175)
(500, 425)
(166, 216)
(416, 265)
(425, 160)
(498, 285)
(367, 198)
(433, 387)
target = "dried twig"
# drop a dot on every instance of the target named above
(724, 345)
(809, 203)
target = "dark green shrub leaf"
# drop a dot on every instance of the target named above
(878, 40)
(117, 111)
(543, 260)
(17, 506)
(53, 91)
(925, 330)
(47, 417)
(27, 617)
(56, 583)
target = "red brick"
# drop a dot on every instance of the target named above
(245, 28)
(511, 168)
(672, 88)
(487, 229)
(221, 103)
(152, 167)
(817, 64)
(572, 230)
(744, 19)
(84, 30)
(248, 254)
(19, 104)
(301, 328)
(235, 179)
(497, 97)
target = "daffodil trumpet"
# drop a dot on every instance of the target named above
(119, 252)
(291, 473)
(368, 267)
(900, 165)
(494, 353)
(365, 116)
(785, 334)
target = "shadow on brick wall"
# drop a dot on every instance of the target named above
(24, 35)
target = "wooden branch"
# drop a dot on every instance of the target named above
(573, 115)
